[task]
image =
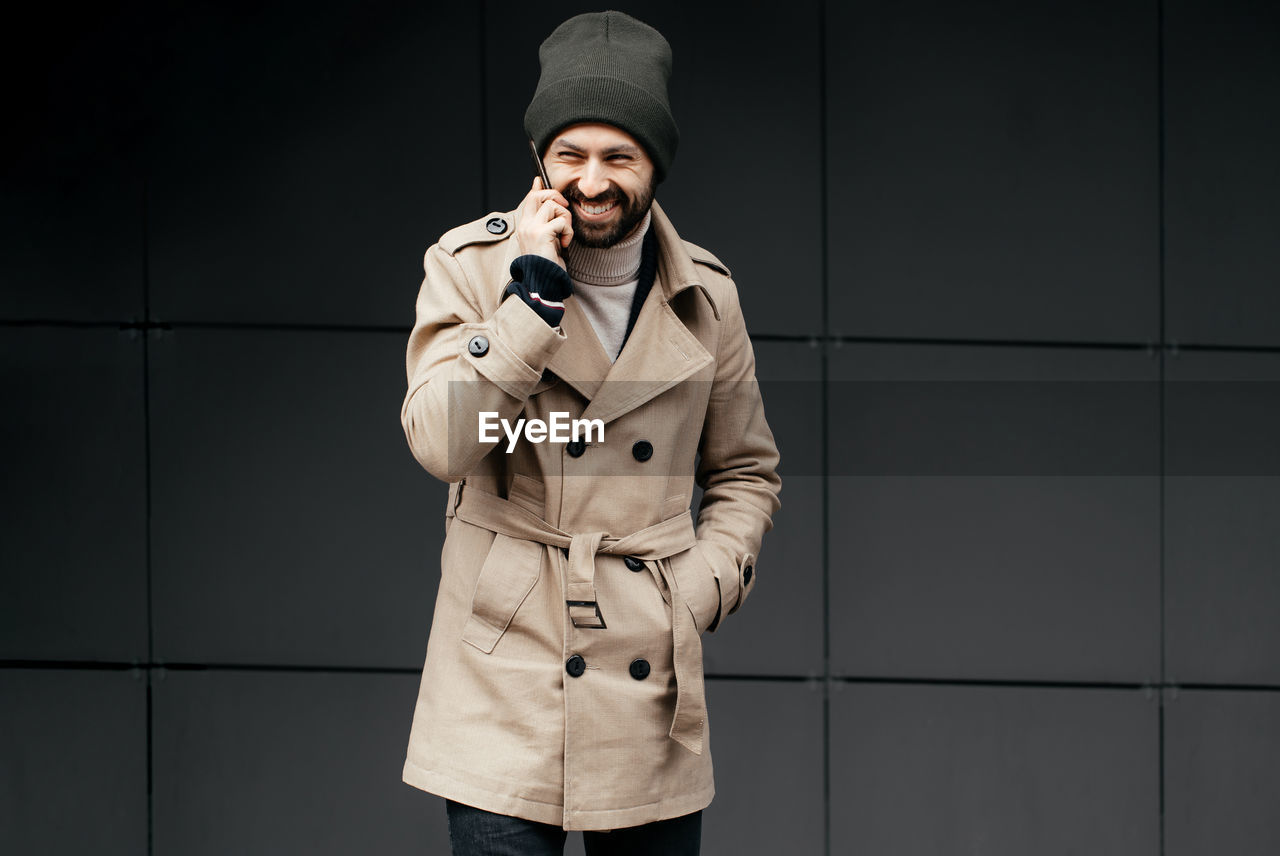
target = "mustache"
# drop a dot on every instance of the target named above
(573, 194)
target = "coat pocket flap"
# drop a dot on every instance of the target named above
(528, 493)
(507, 576)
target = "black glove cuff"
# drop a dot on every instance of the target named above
(542, 284)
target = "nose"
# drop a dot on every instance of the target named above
(593, 181)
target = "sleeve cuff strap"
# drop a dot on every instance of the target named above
(520, 344)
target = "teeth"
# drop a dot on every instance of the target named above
(596, 209)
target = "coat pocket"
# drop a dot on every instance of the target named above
(698, 585)
(507, 576)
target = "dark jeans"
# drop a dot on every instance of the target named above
(476, 832)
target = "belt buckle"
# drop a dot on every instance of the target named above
(593, 604)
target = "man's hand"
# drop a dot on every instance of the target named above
(545, 224)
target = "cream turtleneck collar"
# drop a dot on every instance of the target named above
(616, 265)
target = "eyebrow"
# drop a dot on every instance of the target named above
(620, 149)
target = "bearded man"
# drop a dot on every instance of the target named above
(563, 684)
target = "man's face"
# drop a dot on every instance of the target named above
(607, 177)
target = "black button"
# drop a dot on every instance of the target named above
(633, 564)
(575, 666)
(640, 669)
(746, 575)
(478, 346)
(642, 450)
(496, 225)
(575, 448)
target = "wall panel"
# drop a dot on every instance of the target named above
(73, 573)
(290, 523)
(919, 770)
(74, 751)
(992, 170)
(303, 163)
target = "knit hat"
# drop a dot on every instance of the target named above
(606, 67)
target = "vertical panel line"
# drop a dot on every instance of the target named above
(1161, 406)
(825, 345)
(145, 334)
(483, 37)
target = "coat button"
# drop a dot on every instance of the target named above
(478, 346)
(633, 564)
(496, 225)
(746, 575)
(575, 448)
(640, 669)
(575, 666)
(642, 450)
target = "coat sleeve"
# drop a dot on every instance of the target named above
(738, 466)
(450, 384)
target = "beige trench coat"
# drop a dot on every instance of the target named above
(550, 540)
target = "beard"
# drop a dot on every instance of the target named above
(631, 211)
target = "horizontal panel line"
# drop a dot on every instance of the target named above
(801, 338)
(167, 326)
(1263, 688)
(54, 322)
(107, 666)
(994, 682)
(998, 343)
(815, 678)
(98, 665)
(1174, 347)
(272, 667)
(282, 327)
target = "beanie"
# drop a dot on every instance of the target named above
(606, 67)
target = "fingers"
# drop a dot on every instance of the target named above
(543, 206)
(552, 208)
(546, 223)
(537, 194)
(559, 218)
(554, 195)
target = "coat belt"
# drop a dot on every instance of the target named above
(660, 541)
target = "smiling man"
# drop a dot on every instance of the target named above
(563, 683)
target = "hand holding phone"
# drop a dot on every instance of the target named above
(545, 225)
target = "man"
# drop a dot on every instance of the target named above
(563, 683)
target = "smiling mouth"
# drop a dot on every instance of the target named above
(596, 211)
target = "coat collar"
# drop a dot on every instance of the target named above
(660, 352)
(676, 270)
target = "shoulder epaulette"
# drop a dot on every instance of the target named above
(497, 226)
(705, 257)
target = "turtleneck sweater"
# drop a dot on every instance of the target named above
(604, 284)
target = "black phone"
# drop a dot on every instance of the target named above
(542, 170)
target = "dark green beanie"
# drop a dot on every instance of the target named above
(606, 67)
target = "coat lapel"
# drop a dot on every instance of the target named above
(660, 352)
(581, 361)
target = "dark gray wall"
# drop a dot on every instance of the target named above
(1011, 271)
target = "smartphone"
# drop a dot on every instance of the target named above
(546, 182)
(542, 170)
